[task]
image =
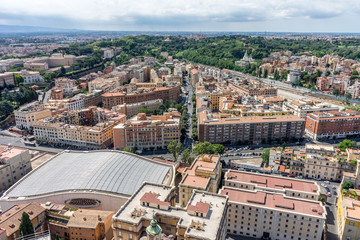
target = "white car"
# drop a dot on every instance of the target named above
(327, 182)
(334, 187)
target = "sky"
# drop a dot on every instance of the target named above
(186, 15)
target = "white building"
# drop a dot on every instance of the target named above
(31, 76)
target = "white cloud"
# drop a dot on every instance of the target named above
(164, 12)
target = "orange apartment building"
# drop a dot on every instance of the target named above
(332, 124)
(255, 129)
(111, 99)
(148, 132)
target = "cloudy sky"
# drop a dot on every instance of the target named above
(186, 15)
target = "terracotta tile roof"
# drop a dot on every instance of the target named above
(199, 207)
(11, 218)
(153, 198)
(88, 218)
(274, 201)
(274, 182)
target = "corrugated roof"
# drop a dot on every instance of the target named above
(115, 172)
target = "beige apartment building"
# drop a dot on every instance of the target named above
(324, 162)
(279, 208)
(14, 164)
(152, 207)
(96, 137)
(131, 109)
(203, 174)
(148, 132)
(26, 116)
(273, 216)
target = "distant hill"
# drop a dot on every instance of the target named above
(30, 29)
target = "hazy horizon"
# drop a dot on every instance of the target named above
(306, 16)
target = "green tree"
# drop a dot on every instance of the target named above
(185, 156)
(336, 92)
(26, 227)
(265, 156)
(208, 148)
(18, 79)
(175, 149)
(265, 73)
(57, 237)
(62, 70)
(144, 110)
(347, 185)
(346, 144)
(348, 96)
(6, 108)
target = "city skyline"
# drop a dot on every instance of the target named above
(272, 16)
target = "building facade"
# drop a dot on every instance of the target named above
(332, 124)
(214, 129)
(148, 132)
(203, 174)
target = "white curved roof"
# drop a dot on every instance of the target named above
(106, 171)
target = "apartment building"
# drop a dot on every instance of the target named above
(215, 99)
(14, 164)
(303, 107)
(132, 109)
(10, 219)
(322, 83)
(217, 129)
(332, 124)
(151, 211)
(28, 114)
(283, 185)
(90, 137)
(148, 132)
(269, 207)
(324, 162)
(111, 99)
(82, 223)
(253, 89)
(203, 174)
(348, 216)
(7, 79)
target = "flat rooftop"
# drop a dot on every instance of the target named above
(274, 201)
(108, 171)
(216, 206)
(269, 181)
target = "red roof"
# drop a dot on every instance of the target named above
(199, 207)
(274, 201)
(274, 182)
(152, 198)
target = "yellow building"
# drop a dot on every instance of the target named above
(203, 174)
(215, 100)
(25, 117)
(348, 216)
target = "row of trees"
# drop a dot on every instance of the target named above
(175, 148)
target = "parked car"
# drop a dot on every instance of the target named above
(291, 175)
(327, 182)
(334, 187)
(329, 194)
